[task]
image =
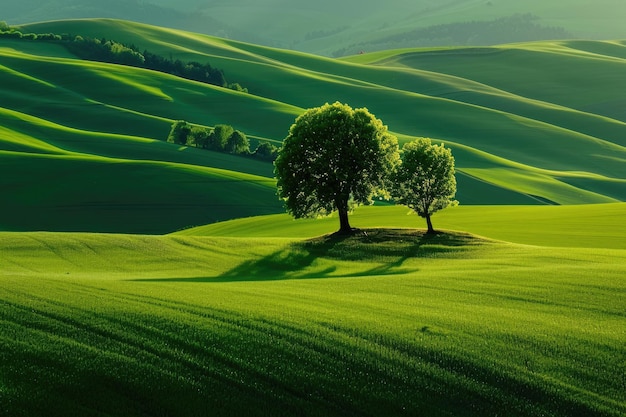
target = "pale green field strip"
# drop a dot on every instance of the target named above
(599, 226)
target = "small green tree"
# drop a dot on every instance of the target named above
(266, 151)
(237, 143)
(237, 87)
(199, 137)
(219, 137)
(425, 180)
(180, 132)
(333, 158)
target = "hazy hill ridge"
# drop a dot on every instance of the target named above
(526, 123)
(332, 28)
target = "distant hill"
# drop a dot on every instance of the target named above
(82, 143)
(169, 14)
(338, 28)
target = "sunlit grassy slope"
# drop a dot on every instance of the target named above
(385, 323)
(591, 226)
(535, 136)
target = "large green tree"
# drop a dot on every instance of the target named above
(333, 158)
(425, 180)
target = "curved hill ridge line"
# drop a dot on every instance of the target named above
(465, 85)
(317, 74)
(310, 27)
(208, 171)
(515, 147)
(523, 63)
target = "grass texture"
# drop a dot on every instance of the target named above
(386, 322)
(265, 315)
(590, 226)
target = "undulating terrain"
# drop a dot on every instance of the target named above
(139, 277)
(333, 28)
(527, 124)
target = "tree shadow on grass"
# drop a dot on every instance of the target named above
(384, 251)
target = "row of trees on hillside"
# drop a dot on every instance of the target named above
(335, 158)
(221, 138)
(10, 34)
(103, 50)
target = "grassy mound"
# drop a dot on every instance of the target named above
(597, 225)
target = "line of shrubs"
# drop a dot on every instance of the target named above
(103, 50)
(11, 34)
(221, 138)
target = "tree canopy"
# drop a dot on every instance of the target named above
(425, 180)
(333, 158)
(237, 143)
(179, 132)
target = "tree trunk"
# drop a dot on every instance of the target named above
(344, 224)
(430, 225)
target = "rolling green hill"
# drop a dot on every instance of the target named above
(330, 28)
(516, 308)
(533, 136)
(388, 322)
(586, 226)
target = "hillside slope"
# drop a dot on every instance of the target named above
(528, 138)
(393, 323)
(330, 28)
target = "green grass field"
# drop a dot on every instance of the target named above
(143, 278)
(386, 322)
(586, 226)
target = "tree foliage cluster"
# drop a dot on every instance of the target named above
(103, 50)
(221, 138)
(425, 181)
(335, 158)
(7, 32)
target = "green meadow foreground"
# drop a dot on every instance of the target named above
(388, 322)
